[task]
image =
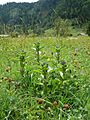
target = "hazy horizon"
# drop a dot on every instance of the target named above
(7, 1)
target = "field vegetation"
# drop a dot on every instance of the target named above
(45, 78)
(45, 60)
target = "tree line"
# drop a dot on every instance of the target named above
(40, 16)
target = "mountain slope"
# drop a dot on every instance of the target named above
(42, 14)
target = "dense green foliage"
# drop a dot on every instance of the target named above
(39, 16)
(88, 29)
(45, 78)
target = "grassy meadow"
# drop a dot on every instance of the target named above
(45, 78)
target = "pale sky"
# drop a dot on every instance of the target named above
(5, 1)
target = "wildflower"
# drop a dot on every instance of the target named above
(8, 69)
(66, 106)
(7, 79)
(55, 103)
(40, 101)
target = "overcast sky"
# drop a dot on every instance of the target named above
(5, 1)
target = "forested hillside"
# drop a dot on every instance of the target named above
(42, 14)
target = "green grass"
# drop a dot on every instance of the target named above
(48, 89)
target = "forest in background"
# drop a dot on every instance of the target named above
(40, 16)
